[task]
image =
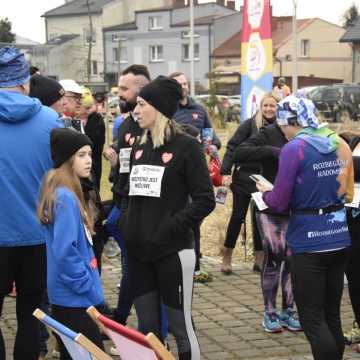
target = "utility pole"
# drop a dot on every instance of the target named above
(191, 50)
(119, 55)
(295, 45)
(90, 43)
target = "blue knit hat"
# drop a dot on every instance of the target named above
(14, 70)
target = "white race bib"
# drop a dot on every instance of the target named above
(124, 160)
(145, 180)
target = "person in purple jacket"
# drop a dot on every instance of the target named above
(314, 180)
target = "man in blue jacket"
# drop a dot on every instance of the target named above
(25, 127)
(191, 113)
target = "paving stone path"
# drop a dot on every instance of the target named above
(227, 313)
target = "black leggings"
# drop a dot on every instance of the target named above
(318, 280)
(168, 281)
(239, 210)
(27, 341)
(77, 320)
(26, 266)
(353, 265)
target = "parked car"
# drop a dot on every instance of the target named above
(337, 102)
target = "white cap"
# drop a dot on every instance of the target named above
(71, 86)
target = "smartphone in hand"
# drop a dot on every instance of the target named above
(259, 178)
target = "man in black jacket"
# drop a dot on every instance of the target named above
(132, 79)
(189, 112)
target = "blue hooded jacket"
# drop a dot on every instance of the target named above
(72, 273)
(25, 127)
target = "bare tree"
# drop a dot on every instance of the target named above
(350, 16)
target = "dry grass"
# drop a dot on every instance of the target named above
(213, 229)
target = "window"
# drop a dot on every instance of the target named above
(53, 36)
(186, 34)
(186, 52)
(87, 36)
(94, 67)
(305, 48)
(156, 53)
(117, 38)
(155, 23)
(123, 54)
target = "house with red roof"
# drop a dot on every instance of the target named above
(322, 59)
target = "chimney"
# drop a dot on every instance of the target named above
(221, 2)
(230, 4)
(178, 4)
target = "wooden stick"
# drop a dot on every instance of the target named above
(94, 314)
(158, 347)
(92, 348)
(39, 314)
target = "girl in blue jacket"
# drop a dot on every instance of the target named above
(73, 280)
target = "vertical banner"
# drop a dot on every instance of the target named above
(256, 55)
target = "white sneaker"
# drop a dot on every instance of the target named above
(113, 351)
(111, 248)
(55, 354)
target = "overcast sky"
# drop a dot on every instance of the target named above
(25, 15)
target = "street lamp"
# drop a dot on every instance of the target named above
(295, 41)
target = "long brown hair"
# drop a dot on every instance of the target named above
(66, 177)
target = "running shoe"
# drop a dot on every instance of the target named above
(113, 351)
(271, 323)
(111, 248)
(202, 276)
(289, 320)
(55, 354)
(353, 335)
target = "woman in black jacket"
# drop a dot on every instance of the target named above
(263, 150)
(167, 168)
(240, 182)
(94, 128)
(352, 269)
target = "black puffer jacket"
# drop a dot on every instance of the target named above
(242, 171)
(261, 153)
(128, 133)
(95, 130)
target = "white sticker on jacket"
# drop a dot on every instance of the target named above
(145, 180)
(124, 160)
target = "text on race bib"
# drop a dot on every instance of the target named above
(145, 180)
(124, 160)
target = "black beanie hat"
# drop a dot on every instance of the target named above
(47, 90)
(66, 142)
(163, 94)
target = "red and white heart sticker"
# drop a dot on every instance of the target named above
(195, 116)
(127, 137)
(93, 263)
(166, 157)
(131, 141)
(138, 154)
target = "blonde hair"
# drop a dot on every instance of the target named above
(162, 132)
(259, 120)
(66, 177)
